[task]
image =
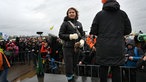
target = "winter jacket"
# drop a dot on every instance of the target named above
(4, 63)
(136, 53)
(110, 25)
(91, 42)
(44, 47)
(66, 29)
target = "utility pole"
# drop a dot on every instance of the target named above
(40, 67)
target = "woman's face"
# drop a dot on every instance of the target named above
(72, 14)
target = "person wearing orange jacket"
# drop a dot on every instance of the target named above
(44, 50)
(89, 57)
(4, 65)
(91, 41)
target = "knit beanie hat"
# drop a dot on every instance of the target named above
(104, 1)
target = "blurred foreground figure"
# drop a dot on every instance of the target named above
(110, 25)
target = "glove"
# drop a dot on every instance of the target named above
(73, 36)
(77, 44)
(82, 43)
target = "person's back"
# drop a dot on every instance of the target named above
(110, 25)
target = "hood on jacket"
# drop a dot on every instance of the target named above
(112, 5)
(104, 1)
(130, 42)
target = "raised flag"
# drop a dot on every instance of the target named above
(51, 28)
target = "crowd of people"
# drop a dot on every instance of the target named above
(22, 48)
(108, 45)
(112, 50)
(32, 47)
(25, 50)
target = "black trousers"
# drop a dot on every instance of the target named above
(71, 60)
(140, 76)
(103, 73)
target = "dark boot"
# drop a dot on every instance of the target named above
(70, 80)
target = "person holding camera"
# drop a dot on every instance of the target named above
(72, 34)
(133, 55)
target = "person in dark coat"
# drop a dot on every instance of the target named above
(141, 72)
(71, 40)
(110, 25)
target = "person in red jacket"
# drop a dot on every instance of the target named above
(44, 49)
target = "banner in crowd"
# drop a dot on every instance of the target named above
(3, 36)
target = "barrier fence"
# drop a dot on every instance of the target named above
(94, 72)
(23, 57)
(82, 70)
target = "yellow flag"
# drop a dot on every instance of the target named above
(1, 51)
(51, 28)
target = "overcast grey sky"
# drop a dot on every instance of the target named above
(26, 17)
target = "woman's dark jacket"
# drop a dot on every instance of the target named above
(66, 29)
(110, 25)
